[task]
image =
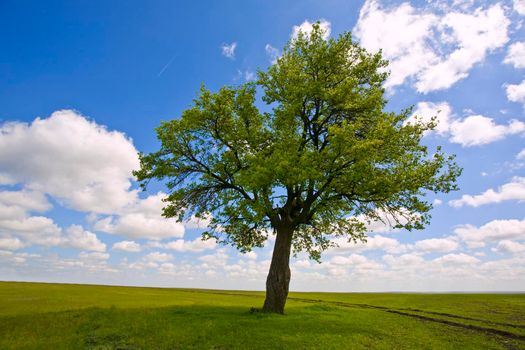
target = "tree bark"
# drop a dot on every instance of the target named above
(278, 279)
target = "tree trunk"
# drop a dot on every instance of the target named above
(278, 279)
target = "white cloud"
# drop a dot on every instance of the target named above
(306, 28)
(412, 261)
(433, 48)
(18, 204)
(84, 167)
(425, 111)
(250, 255)
(516, 93)
(302, 263)
(521, 155)
(219, 258)
(25, 200)
(457, 259)
(354, 259)
(476, 130)
(40, 230)
(519, 6)
(37, 230)
(272, 53)
(93, 257)
(228, 50)
(249, 75)
(10, 244)
(432, 245)
(81, 163)
(154, 260)
(127, 246)
(376, 242)
(385, 222)
(143, 219)
(495, 230)
(516, 55)
(18, 228)
(138, 225)
(514, 190)
(507, 246)
(200, 223)
(197, 245)
(77, 237)
(473, 130)
(158, 257)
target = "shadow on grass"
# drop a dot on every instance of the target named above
(314, 326)
(181, 327)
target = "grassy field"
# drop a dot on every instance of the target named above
(59, 316)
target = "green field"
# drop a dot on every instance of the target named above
(60, 316)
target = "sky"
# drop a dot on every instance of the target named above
(84, 84)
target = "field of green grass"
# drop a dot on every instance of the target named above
(60, 316)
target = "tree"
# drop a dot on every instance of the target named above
(322, 160)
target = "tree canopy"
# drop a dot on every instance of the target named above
(317, 155)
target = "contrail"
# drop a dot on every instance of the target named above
(166, 66)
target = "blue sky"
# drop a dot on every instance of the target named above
(84, 84)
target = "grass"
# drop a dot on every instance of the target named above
(60, 316)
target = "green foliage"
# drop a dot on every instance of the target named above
(326, 154)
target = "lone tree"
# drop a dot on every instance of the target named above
(320, 161)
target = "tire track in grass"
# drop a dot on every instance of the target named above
(486, 330)
(465, 318)
(426, 318)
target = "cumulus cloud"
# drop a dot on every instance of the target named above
(353, 259)
(219, 258)
(476, 130)
(339, 265)
(127, 246)
(228, 50)
(249, 75)
(376, 242)
(457, 259)
(77, 237)
(33, 230)
(514, 190)
(432, 47)
(40, 230)
(492, 231)
(158, 257)
(143, 219)
(521, 155)
(15, 218)
(425, 111)
(410, 260)
(82, 164)
(473, 130)
(18, 228)
(272, 53)
(17, 203)
(197, 245)
(519, 6)
(442, 245)
(250, 255)
(10, 244)
(516, 92)
(152, 260)
(516, 55)
(507, 246)
(393, 246)
(306, 28)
